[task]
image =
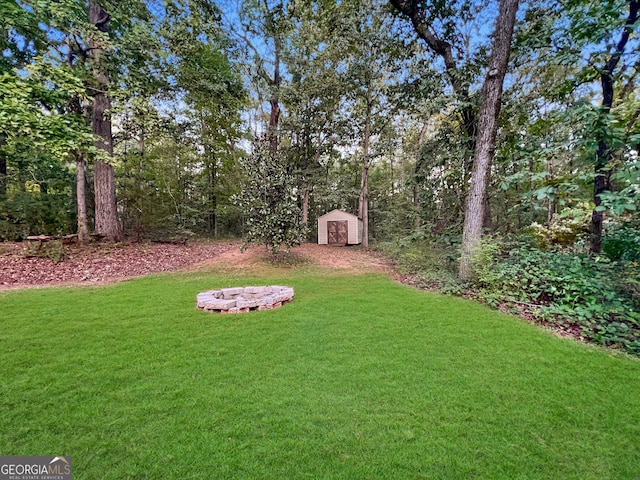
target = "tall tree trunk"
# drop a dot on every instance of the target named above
(363, 205)
(81, 178)
(417, 200)
(487, 218)
(601, 182)
(212, 177)
(551, 204)
(274, 116)
(487, 133)
(600, 185)
(106, 215)
(3, 167)
(139, 213)
(213, 199)
(3, 175)
(106, 210)
(81, 194)
(75, 106)
(142, 148)
(305, 203)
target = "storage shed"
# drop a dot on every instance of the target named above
(339, 228)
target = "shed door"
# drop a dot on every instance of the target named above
(337, 232)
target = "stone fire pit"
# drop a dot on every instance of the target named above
(244, 299)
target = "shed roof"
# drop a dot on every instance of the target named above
(338, 211)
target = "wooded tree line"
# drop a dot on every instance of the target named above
(428, 119)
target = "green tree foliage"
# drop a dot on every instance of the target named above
(313, 126)
(451, 55)
(269, 201)
(576, 136)
(264, 27)
(186, 117)
(345, 65)
(154, 54)
(38, 136)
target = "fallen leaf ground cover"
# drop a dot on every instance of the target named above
(99, 263)
(358, 377)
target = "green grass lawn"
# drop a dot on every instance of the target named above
(357, 378)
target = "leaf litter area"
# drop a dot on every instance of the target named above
(24, 265)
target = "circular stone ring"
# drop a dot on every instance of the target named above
(244, 299)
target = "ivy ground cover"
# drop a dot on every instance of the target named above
(358, 377)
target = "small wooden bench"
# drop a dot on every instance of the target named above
(42, 239)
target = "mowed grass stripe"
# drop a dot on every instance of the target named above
(359, 377)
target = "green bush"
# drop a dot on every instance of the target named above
(565, 228)
(269, 201)
(33, 213)
(431, 264)
(566, 289)
(622, 243)
(596, 296)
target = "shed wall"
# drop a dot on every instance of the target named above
(354, 225)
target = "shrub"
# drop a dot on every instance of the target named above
(565, 228)
(33, 213)
(431, 264)
(622, 243)
(273, 216)
(565, 288)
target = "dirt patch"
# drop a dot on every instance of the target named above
(354, 259)
(106, 263)
(346, 259)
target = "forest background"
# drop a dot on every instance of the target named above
(156, 120)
